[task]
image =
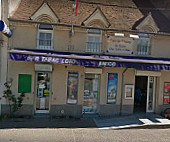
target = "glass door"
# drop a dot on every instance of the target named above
(91, 92)
(43, 89)
(150, 94)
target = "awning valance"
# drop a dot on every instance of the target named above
(90, 60)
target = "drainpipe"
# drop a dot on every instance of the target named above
(121, 101)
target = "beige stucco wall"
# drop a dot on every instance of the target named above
(129, 79)
(61, 39)
(160, 46)
(16, 68)
(59, 83)
(103, 84)
(25, 36)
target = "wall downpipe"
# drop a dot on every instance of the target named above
(121, 101)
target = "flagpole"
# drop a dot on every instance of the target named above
(72, 24)
(74, 13)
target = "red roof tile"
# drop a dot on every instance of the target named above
(120, 17)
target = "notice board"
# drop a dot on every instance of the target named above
(24, 83)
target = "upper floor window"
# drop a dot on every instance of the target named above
(45, 37)
(93, 41)
(143, 44)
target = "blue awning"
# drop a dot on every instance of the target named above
(90, 60)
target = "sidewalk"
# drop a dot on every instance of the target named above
(137, 121)
(47, 123)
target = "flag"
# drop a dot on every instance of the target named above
(76, 8)
(5, 29)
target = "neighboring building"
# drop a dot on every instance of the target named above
(116, 61)
(3, 49)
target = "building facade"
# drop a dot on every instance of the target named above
(113, 59)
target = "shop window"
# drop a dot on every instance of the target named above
(24, 83)
(112, 87)
(45, 37)
(93, 41)
(143, 44)
(72, 87)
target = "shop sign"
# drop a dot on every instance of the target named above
(72, 87)
(87, 62)
(119, 45)
(112, 87)
(43, 67)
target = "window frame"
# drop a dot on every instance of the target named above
(94, 35)
(38, 38)
(143, 38)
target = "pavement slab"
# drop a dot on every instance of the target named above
(133, 121)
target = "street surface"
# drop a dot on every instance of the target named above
(84, 135)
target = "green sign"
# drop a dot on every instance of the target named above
(24, 83)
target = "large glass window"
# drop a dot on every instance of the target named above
(91, 93)
(143, 44)
(93, 41)
(45, 37)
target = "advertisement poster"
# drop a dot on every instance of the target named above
(72, 87)
(166, 92)
(112, 87)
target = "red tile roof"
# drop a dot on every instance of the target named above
(121, 17)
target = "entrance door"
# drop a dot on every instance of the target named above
(43, 91)
(144, 94)
(150, 94)
(91, 92)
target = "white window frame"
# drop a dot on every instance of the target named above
(38, 36)
(94, 35)
(142, 52)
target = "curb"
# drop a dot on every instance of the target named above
(136, 126)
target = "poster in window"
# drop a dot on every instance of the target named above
(72, 87)
(166, 93)
(112, 87)
(129, 91)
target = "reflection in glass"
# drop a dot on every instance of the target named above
(90, 93)
(43, 91)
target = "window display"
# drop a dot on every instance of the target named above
(166, 93)
(72, 87)
(91, 91)
(112, 87)
(43, 91)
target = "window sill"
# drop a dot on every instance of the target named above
(45, 48)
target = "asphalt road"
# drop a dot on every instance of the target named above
(84, 135)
